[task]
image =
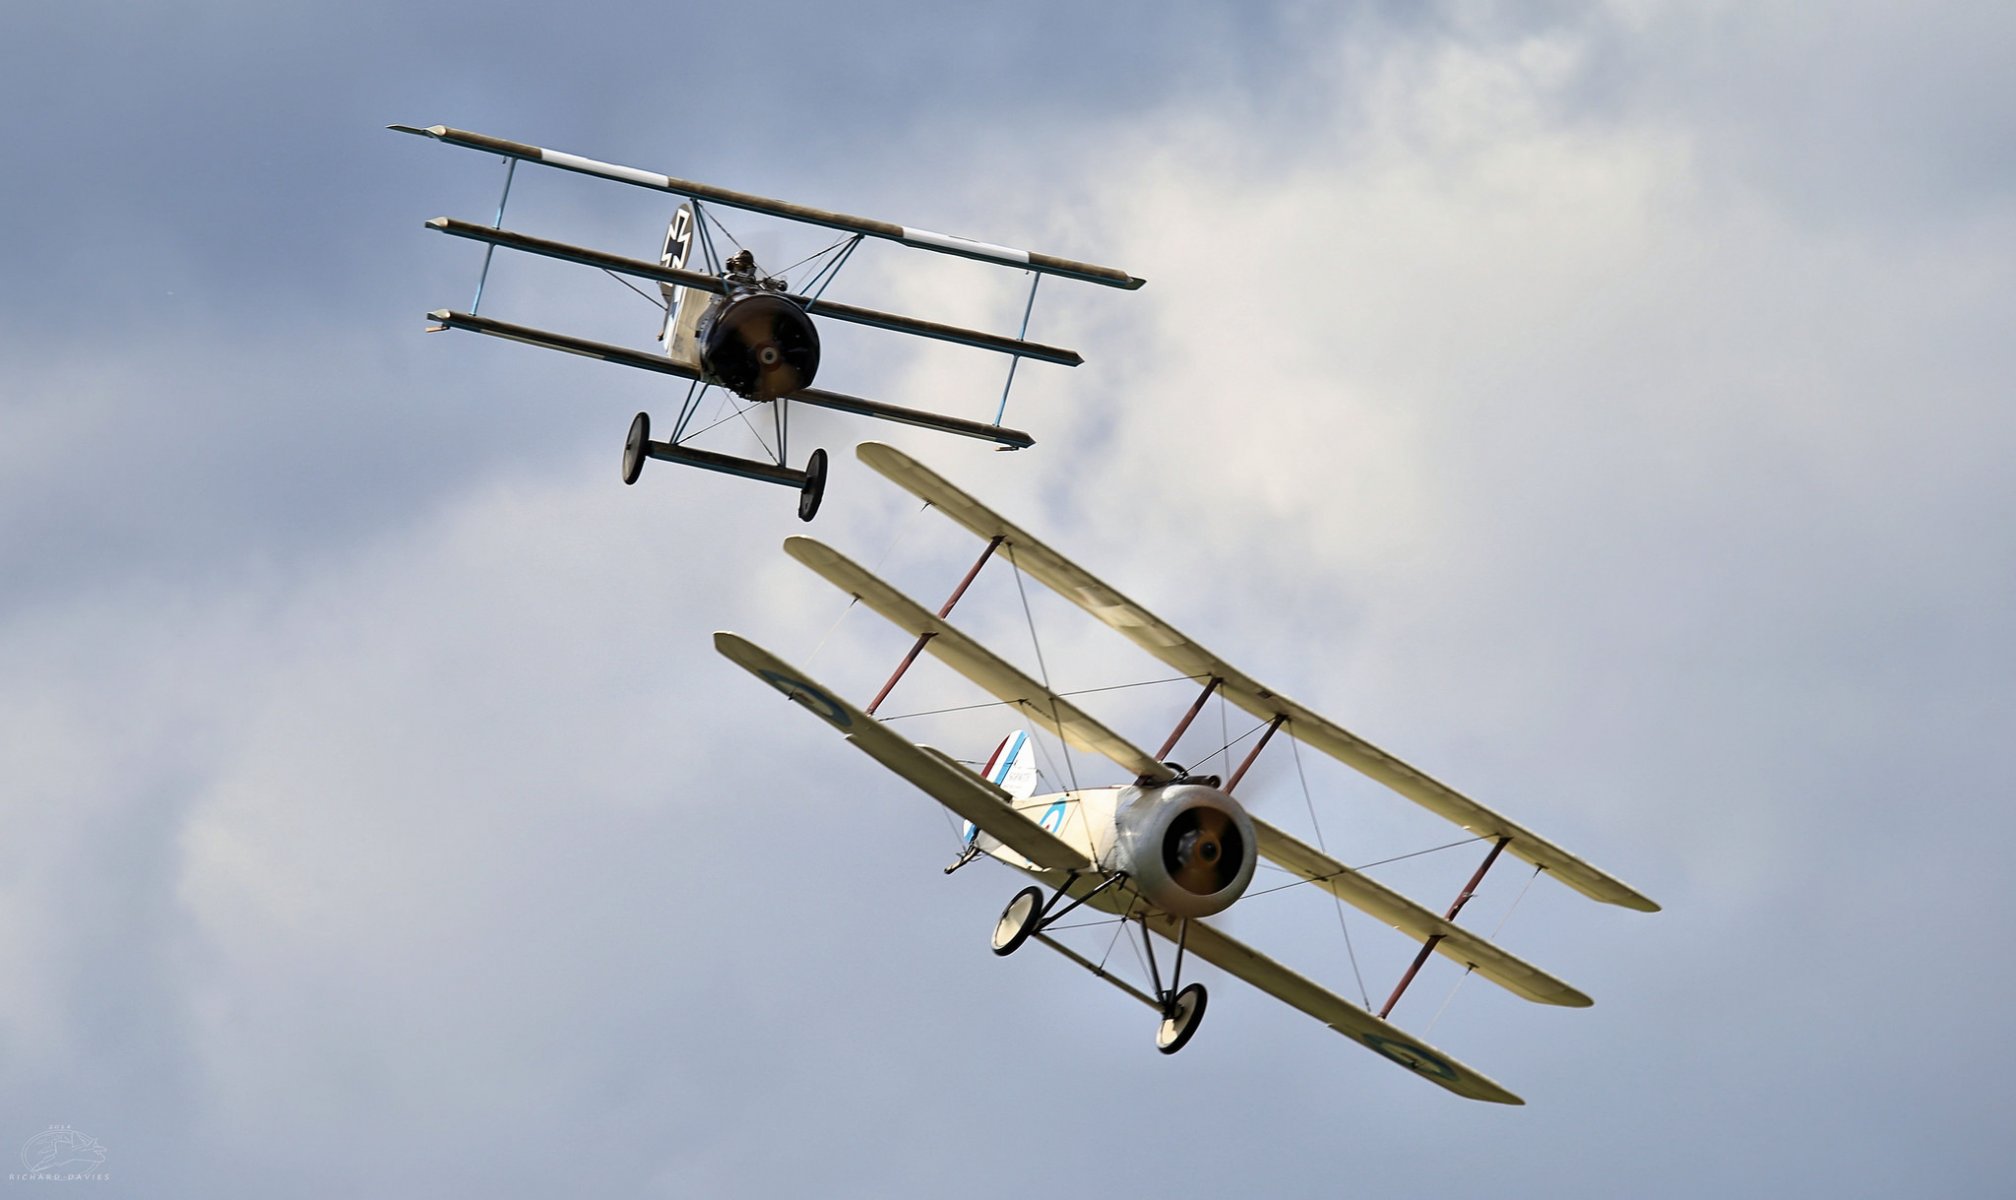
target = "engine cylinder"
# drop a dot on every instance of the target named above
(1189, 848)
(759, 345)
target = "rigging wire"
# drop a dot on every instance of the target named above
(708, 214)
(1350, 951)
(1300, 880)
(1041, 666)
(903, 529)
(1118, 929)
(658, 304)
(817, 254)
(1464, 977)
(757, 434)
(1231, 743)
(939, 712)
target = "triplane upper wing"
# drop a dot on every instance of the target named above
(923, 239)
(1154, 635)
(741, 328)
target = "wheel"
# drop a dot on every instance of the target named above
(636, 447)
(1186, 1012)
(815, 486)
(1018, 921)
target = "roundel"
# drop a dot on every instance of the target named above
(825, 706)
(1413, 1057)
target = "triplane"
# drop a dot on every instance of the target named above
(1168, 848)
(741, 328)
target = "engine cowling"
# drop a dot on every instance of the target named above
(1189, 848)
(759, 345)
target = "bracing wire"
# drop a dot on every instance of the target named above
(756, 433)
(1350, 951)
(655, 302)
(939, 712)
(1119, 929)
(1461, 979)
(1362, 867)
(817, 254)
(708, 214)
(903, 529)
(1028, 616)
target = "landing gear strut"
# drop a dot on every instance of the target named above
(1182, 1008)
(1028, 914)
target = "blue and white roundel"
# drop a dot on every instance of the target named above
(824, 706)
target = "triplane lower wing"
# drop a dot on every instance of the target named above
(738, 327)
(1169, 848)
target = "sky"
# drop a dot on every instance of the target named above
(1598, 405)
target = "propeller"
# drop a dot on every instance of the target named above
(762, 346)
(1202, 851)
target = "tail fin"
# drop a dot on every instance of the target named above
(1012, 766)
(683, 305)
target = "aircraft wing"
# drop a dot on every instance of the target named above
(817, 397)
(943, 243)
(975, 661)
(1236, 958)
(700, 280)
(966, 794)
(1158, 638)
(1500, 967)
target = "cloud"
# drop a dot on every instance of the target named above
(1531, 393)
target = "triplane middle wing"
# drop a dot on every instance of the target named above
(741, 328)
(1168, 848)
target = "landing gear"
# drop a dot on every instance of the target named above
(1018, 921)
(814, 490)
(811, 482)
(1181, 1006)
(1028, 912)
(635, 447)
(1180, 1019)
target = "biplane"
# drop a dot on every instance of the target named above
(739, 327)
(1168, 848)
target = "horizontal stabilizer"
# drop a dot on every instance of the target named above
(958, 789)
(1158, 638)
(943, 243)
(1382, 903)
(818, 398)
(966, 656)
(641, 269)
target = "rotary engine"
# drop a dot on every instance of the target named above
(1189, 848)
(754, 340)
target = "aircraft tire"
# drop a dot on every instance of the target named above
(1018, 921)
(1186, 1012)
(815, 486)
(636, 447)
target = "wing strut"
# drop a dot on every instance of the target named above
(926, 636)
(1428, 947)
